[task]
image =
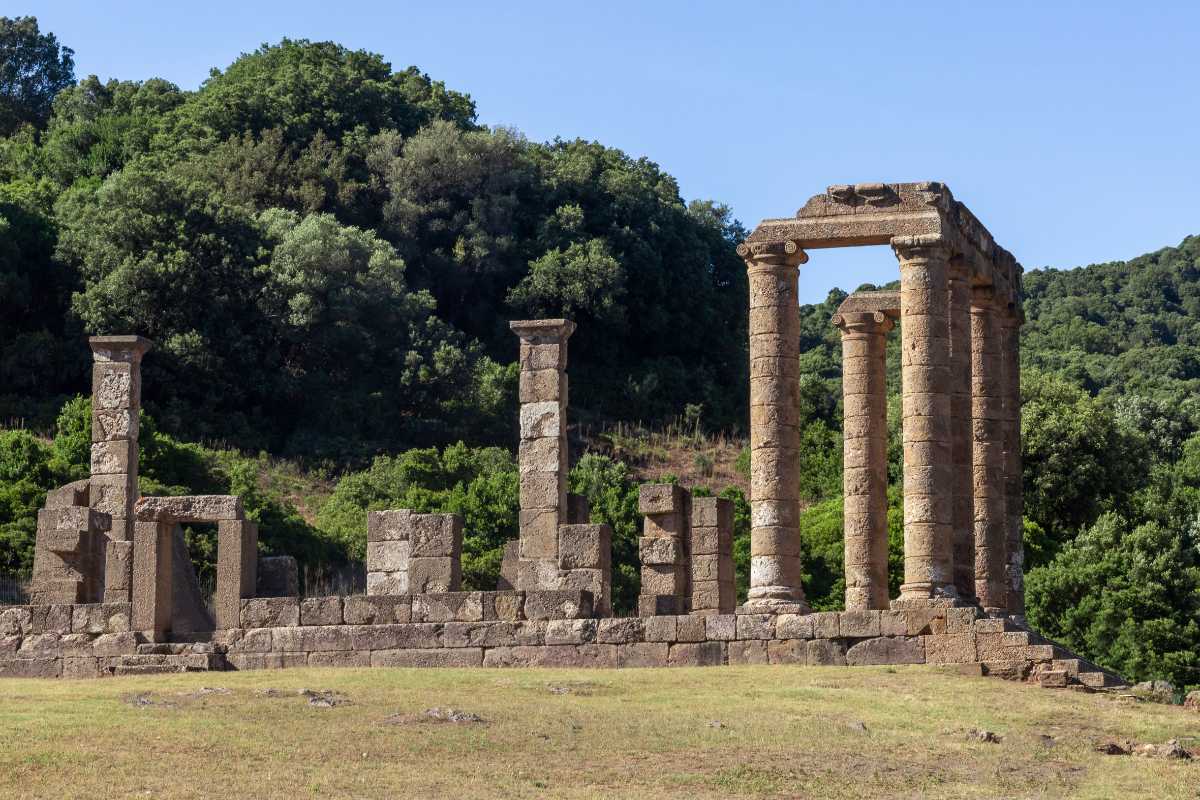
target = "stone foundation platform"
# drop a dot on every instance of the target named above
(520, 629)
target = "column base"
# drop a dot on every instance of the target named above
(768, 605)
(927, 596)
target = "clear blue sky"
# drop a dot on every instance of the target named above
(1071, 129)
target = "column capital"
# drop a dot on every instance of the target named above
(542, 330)
(925, 245)
(767, 255)
(863, 322)
(983, 297)
(125, 349)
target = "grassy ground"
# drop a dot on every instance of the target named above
(696, 733)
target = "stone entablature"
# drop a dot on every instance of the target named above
(875, 213)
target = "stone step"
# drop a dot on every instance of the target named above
(1053, 679)
(148, 669)
(188, 662)
(1100, 679)
(173, 648)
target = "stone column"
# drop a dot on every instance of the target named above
(1010, 326)
(710, 545)
(928, 460)
(988, 428)
(116, 400)
(543, 450)
(865, 442)
(774, 427)
(237, 570)
(960, 428)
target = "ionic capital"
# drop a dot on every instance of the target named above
(772, 255)
(926, 246)
(866, 322)
(983, 298)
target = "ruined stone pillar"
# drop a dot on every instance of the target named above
(710, 546)
(960, 428)
(116, 400)
(152, 598)
(662, 549)
(928, 459)
(774, 427)
(988, 430)
(865, 441)
(543, 449)
(1010, 327)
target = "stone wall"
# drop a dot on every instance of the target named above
(516, 629)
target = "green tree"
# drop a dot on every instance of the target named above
(34, 67)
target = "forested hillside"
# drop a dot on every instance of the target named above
(326, 252)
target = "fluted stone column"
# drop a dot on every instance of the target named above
(542, 456)
(960, 428)
(988, 430)
(116, 401)
(865, 441)
(928, 460)
(1010, 326)
(774, 427)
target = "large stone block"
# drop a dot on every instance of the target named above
(340, 658)
(437, 536)
(481, 634)
(388, 556)
(540, 490)
(321, 611)
(571, 631)
(664, 579)
(755, 626)
(100, 618)
(448, 607)
(826, 652)
(859, 624)
(270, 612)
(546, 605)
(456, 657)
(751, 651)
(430, 575)
(955, 648)
(389, 526)
(190, 508)
(540, 385)
(660, 498)
(583, 655)
(887, 650)
(392, 637)
(658, 551)
(584, 546)
(643, 654)
(387, 583)
(787, 651)
(542, 420)
(621, 630)
(700, 654)
(376, 609)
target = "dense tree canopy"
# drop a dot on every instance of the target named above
(33, 68)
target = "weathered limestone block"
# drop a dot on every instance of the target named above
(755, 626)
(448, 607)
(583, 655)
(711, 550)
(749, 652)
(545, 605)
(190, 508)
(956, 648)
(697, 654)
(413, 553)
(457, 657)
(509, 566)
(101, 618)
(68, 556)
(621, 630)
(826, 653)
(50, 619)
(887, 650)
(643, 654)
(153, 553)
(321, 611)
(787, 651)
(377, 609)
(663, 549)
(270, 612)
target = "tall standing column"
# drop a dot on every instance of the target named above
(774, 427)
(928, 460)
(960, 428)
(1010, 326)
(116, 401)
(542, 456)
(988, 431)
(865, 441)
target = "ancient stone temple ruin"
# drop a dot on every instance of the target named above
(115, 593)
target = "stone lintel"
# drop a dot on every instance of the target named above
(190, 508)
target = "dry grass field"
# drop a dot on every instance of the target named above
(697, 733)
